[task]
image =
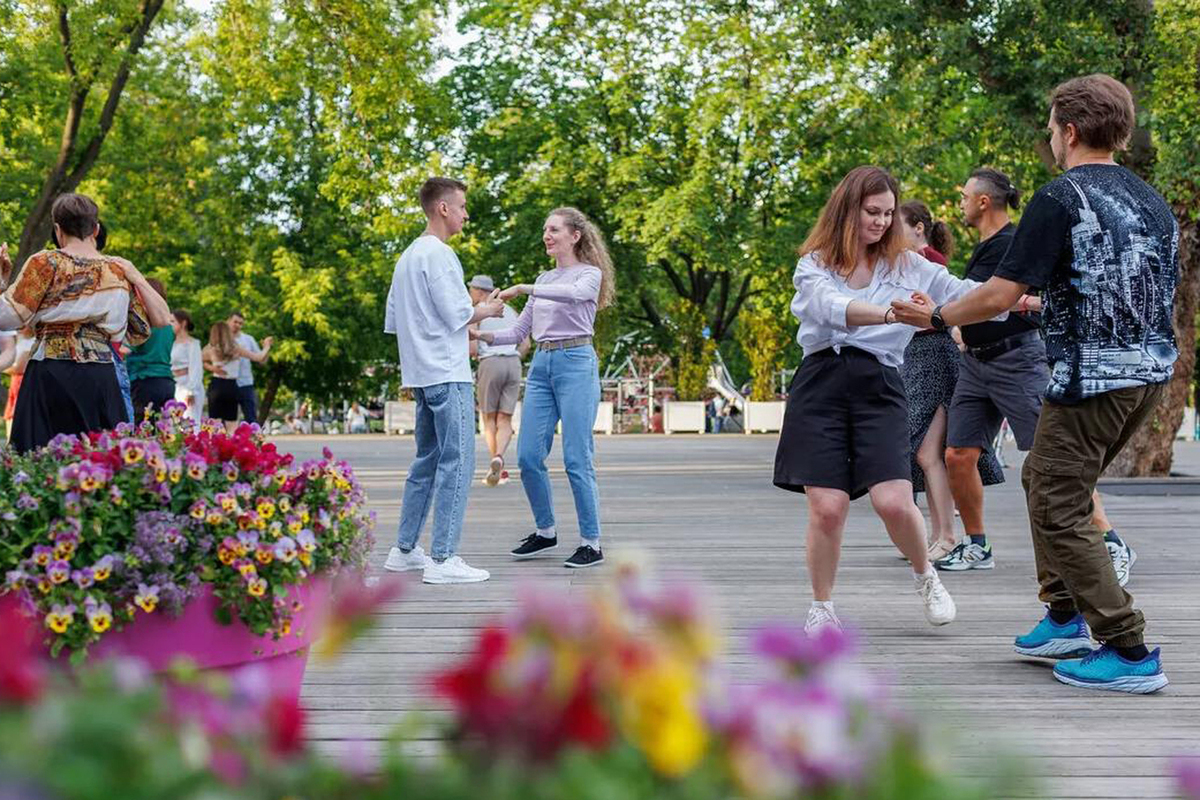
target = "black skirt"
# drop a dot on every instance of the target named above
(223, 399)
(930, 373)
(845, 425)
(59, 396)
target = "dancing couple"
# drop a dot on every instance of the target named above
(431, 312)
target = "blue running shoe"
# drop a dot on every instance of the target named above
(1048, 639)
(1106, 669)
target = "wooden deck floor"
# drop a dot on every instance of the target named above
(703, 508)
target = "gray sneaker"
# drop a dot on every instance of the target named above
(967, 555)
(1123, 558)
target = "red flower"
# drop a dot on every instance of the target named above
(20, 665)
(583, 720)
(285, 725)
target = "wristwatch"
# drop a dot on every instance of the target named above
(935, 320)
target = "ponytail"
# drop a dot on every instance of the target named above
(941, 239)
(998, 187)
(937, 234)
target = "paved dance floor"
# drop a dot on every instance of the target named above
(703, 508)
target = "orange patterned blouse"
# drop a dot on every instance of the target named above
(75, 305)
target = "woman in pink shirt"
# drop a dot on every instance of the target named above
(564, 379)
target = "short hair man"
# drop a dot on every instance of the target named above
(1003, 375)
(1104, 247)
(429, 311)
(498, 380)
(247, 399)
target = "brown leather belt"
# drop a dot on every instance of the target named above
(562, 344)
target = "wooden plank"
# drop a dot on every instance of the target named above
(703, 509)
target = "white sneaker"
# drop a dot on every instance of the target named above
(939, 605)
(399, 561)
(494, 468)
(821, 616)
(454, 570)
(1123, 557)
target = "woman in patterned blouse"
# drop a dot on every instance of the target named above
(76, 300)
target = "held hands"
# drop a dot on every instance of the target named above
(915, 312)
(484, 336)
(494, 305)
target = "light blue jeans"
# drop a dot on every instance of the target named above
(562, 384)
(123, 382)
(442, 470)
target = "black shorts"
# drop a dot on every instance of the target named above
(223, 399)
(845, 426)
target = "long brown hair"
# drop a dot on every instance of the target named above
(591, 249)
(834, 239)
(220, 339)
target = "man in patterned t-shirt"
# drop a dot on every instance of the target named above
(1104, 247)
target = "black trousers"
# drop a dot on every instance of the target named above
(150, 392)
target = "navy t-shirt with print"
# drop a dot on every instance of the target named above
(1104, 247)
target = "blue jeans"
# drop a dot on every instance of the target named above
(123, 382)
(248, 401)
(442, 471)
(562, 384)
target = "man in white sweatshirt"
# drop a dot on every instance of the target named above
(429, 309)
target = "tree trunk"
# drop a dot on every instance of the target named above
(72, 165)
(1150, 451)
(274, 381)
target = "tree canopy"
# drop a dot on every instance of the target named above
(263, 155)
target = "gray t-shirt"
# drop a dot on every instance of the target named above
(245, 373)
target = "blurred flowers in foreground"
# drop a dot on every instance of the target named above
(616, 694)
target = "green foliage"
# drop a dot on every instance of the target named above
(763, 334)
(694, 351)
(1175, 99)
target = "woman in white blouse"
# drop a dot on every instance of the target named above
(187, 365)
(845, 430)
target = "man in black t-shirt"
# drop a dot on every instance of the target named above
(1104, 247)
(1003, 375)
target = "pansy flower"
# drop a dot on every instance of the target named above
(265, 553)
(99, 615)
(285, 549)
(245, 567)
(265, 508)
(306, 540)
(102, 568)
(227, 500)
(198, 511)
(196, 466)
(58, 572)
(60, 616)
(42, 554)
(83, 577)
(132, 451)
(175, 470)
(27, 502)
(257, 587)
(15, 579)
(146, 598)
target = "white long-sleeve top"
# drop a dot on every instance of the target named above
(822, 297)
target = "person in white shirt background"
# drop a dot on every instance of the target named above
(429, 311)
(247, 399)
(845, 429)
(187, 365)
(498, 380)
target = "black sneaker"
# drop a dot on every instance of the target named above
(584, 556)
(533, 545)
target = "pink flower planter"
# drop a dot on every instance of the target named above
(159, 639)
